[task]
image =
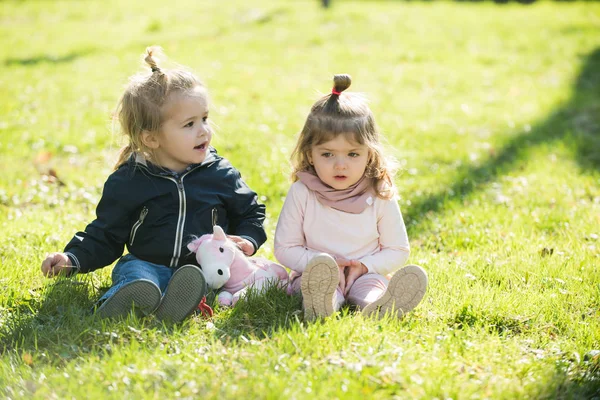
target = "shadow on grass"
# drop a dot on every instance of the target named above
(48, 58)
(580, 382)
(575, 376)
(258, 315)
(576, 124)
(59, 316)
(49, 316)
(57, 322)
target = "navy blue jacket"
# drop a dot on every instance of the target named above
(156, 213)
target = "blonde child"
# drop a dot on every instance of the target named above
(340, 230)
(168, 185)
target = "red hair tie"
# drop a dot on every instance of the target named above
(333, 91)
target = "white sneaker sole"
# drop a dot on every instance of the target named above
(319, 283)
(405, 291)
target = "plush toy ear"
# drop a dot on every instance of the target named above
(218, 233)
(195, 244)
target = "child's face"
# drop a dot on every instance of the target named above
(339, 163)
(184, 136)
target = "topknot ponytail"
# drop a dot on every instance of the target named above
(151, 60)
(341, 82)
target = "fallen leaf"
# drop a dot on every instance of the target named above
(27, 359)
(43, 157)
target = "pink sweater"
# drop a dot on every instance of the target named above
(376, 237)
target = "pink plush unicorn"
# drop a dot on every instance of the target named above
(226, 267)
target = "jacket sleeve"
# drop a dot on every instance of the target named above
(393, 240)
(290, 241)
(246, 214)
(103, 240)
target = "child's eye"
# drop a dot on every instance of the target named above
(327, 154)
(205, 119)
(189, 124)
(353, 155)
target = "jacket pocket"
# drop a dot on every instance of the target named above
(137, 225)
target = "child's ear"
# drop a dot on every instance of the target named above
(150, 140)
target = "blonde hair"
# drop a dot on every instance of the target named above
(345, 114)
(139, 108)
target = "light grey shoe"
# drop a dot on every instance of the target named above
(405, 291)
(319, 281)
(184, 292)
(142, 295)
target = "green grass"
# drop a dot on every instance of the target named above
(493, 112)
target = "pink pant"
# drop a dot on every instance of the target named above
(364, 290)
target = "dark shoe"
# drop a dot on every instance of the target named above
(184, 292)
(319, 282)
(142, 295)
(404, 292)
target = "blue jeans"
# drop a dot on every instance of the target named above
(130, 268)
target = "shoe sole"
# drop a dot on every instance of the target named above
(405, 291)
(318, 285)
(184, 292)
(141, 294)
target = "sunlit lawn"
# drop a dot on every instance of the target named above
(493, 112)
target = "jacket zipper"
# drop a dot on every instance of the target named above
(137, 224)
(181, 215)
(180, 222)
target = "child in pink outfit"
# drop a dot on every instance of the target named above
(340, 230)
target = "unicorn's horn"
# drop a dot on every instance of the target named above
(218, 233)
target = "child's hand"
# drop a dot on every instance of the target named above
(342, 284)
(56, 264)
(244, 244)
(354, 270)
(343, 263)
